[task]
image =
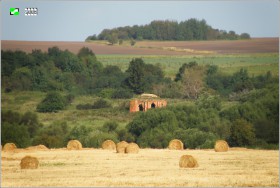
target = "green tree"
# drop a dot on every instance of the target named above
(85, 51)
(15, 133)
(53, 102)
(136, 75)
(242, 133)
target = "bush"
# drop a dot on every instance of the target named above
(15, 133)
(52, 103)
(195, 138)
(53, 136)
(122, 94)
(96, 138)
(110, 126)
(84, 107)
(28, 120)
(101, 103)
(124, 135)
(242, 133)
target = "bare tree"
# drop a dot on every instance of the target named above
(193, 81)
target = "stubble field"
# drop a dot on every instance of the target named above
(150, 167)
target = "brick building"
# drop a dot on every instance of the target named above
(145, 102)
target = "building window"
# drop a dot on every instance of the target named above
(153, 105)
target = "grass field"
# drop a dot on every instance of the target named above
(256, 64)
(150, 167)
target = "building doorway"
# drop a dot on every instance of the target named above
(141, 108)
(153, 105)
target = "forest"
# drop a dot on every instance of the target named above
(242, 109)
(188, 30)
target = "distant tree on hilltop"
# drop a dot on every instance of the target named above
(191, 29)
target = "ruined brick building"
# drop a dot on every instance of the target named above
(145, 102)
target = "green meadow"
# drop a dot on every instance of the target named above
(256, 64)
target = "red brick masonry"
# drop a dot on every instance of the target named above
(145, 104)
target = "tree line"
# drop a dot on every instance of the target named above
(251, 121)
(191, 29)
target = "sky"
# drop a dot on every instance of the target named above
(75, 20)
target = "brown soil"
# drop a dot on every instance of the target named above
(256, 45)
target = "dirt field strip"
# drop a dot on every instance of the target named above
(150, 167)
(255, 45)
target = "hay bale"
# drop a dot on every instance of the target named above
(221, 146)
(38, 147)
(29, 162)
(74, 145)
(176, 144)
(132, 148)
(188, 161)
(109, 145)
(9, 147)
(121, 146)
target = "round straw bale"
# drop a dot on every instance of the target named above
(121, 146)
(9, 147)
(132, 148)
(221, 146)
(38, 147)
(188, 161)
(176, 144)
(109, 145)
(29, 162)
(74, 145)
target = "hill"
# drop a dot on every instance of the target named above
(191, 29)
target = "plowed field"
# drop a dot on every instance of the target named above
(256, 45)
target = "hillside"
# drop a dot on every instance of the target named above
(188, 30)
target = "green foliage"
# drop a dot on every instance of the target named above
(96, 138)
(53, 136)
(141, 76)
(191, 29)
(182, 69)
(195, 138)
(27, 121)
(52, 103)
(101, 103)
(148, 127)
(136, 73)
(208, 101)
(110, 126)
(242, 133)
(124, 135)
(85, 52)
(15, 133)
(122, 94)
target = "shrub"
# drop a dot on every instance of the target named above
(15, 133)
(110, 126)
(194, 138)
(241, 133)
(84, 107)
(52, 103)
(124, 135)
(53, 136)
(96, 138)
(122, 94)
(101, 103)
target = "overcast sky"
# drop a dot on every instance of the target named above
(75, 20)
